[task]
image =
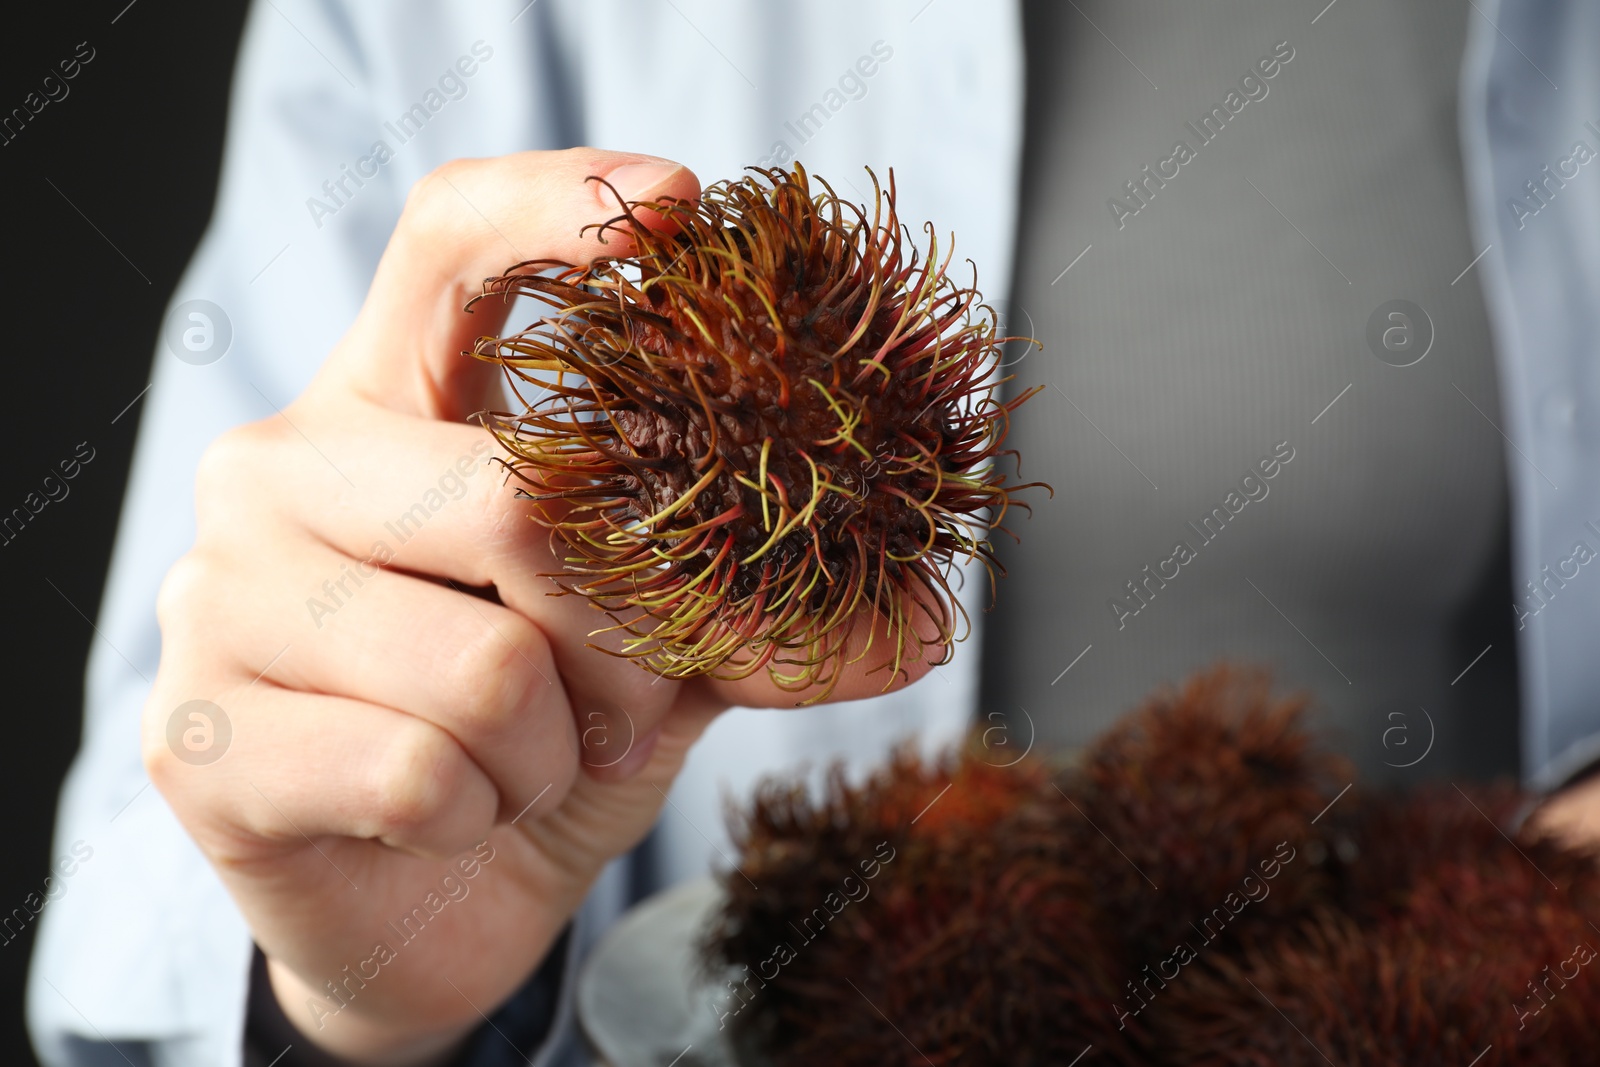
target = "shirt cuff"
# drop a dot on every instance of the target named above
(1583, 774)
(512, 1036)
(1578, 761)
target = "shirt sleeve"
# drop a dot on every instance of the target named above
(509, 1038)
(337, 108)
(145, 949)
(1529, 145)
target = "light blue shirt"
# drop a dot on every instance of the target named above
(1530, 110)
(146, 946)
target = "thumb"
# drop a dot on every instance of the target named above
(467, 221)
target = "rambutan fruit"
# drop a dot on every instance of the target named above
(1193, 792)
(773, 417)
(1344, 997)
(978, 946)
(1015, 925)
(1428, 994)
(1452, 863)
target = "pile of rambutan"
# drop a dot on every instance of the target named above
(1200, 888)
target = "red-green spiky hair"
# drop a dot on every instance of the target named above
(772, 417)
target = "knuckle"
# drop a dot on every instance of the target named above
(416, 779)
(224, 466)
(433, 204)
(181, 591)
(492, 676)
(215, 472)
(160, 764)
(504, 526)
(168, 772)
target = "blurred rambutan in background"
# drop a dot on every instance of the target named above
(972, 939)
(1204, 885)
(776, 415)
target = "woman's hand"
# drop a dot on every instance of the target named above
(422, 781)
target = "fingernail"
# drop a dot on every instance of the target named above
(635, 181)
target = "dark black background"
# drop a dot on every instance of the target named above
(135, 145)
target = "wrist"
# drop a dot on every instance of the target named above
(353, 1039)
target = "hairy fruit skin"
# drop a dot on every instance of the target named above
(774, 416)
(1035, 910)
